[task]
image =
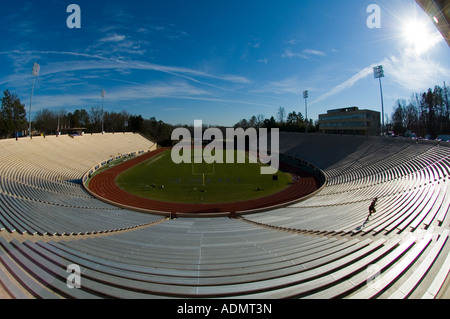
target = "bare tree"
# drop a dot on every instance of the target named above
(96, 116)
(281, 114)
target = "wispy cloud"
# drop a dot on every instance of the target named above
(139, 93)
(292, 41)
(185, 84)
(305, 54)
(176, 89)
(23, 60)
(409, 71)
(314, 52)
(19, 53)
(113, 38)
(291, 54)
(263, 61)
(119, 44)
(255, 44)
(131, 91)
(415, 73)
(98, 62)
(288, 85)
(347, 84)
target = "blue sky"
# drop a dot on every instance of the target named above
(218, 61)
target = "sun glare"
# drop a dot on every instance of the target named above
(419, 36)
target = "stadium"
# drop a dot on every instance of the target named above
(314, 248)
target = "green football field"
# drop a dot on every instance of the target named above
(160, 179)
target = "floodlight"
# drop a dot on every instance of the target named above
(35, 72)
(378, 72)
(306, 96)
(103, 94)
(36, 69)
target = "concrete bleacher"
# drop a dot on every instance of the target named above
(41, 191)
(317, 248)
(411, 182)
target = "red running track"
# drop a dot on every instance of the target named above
(105, 187)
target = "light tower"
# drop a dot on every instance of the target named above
(103, 94)
(305, 96)
(36, 69)
(378, 74)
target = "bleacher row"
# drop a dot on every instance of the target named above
(41, 192)
(410, 189)
(313, 249)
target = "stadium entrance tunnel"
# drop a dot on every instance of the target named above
(101, 182)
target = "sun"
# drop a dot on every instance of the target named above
(419, 36)
(415, 32)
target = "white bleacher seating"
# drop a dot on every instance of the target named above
(316, 248)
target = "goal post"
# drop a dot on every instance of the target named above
(202, 168)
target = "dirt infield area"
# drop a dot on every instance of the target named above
(104, 186)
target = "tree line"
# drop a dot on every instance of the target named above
(425, 114)
(96, 121)
(291, 122)
(14, 123)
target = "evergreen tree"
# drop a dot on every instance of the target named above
(399, 117)
(13, 115)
